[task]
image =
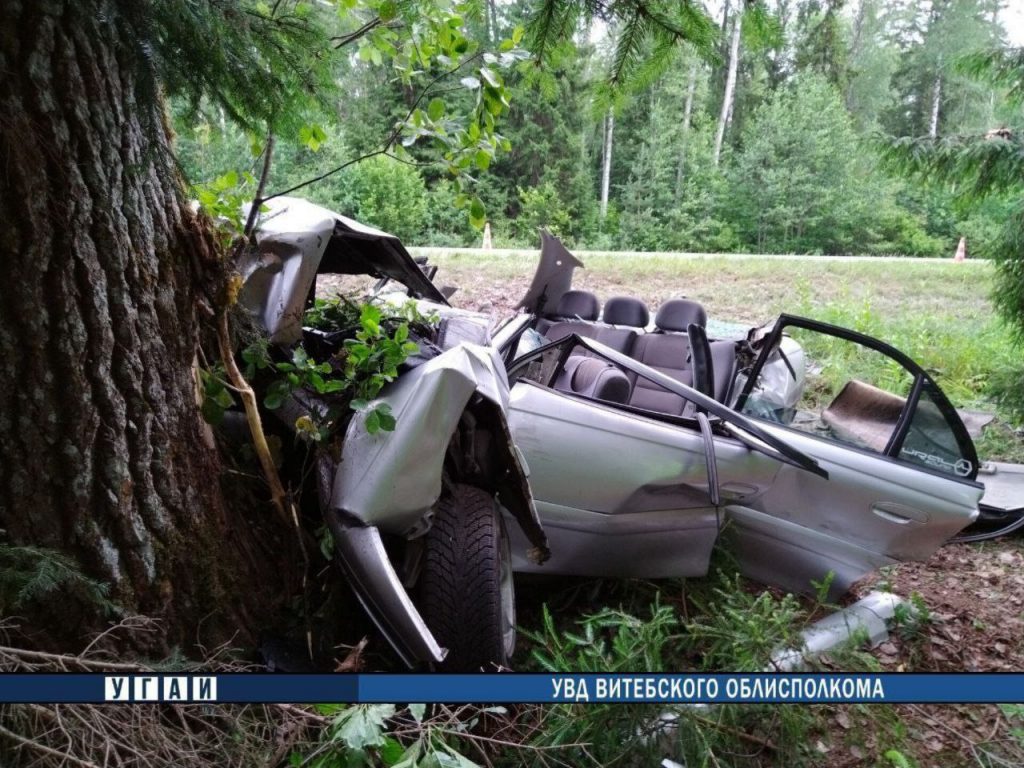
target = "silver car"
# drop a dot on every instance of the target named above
(596, 441)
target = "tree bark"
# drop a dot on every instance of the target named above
(933, 120)
(856, 42)
(102, 451)
(606, 166)
(730, 87)
(691, 87)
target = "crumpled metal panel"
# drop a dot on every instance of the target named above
(296, 239)
(381, 593)
(393, 479)
(552, 278)
(291, 239)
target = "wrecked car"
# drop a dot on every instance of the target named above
(581, 440)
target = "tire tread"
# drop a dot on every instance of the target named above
(460, 590)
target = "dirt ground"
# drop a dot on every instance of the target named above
(974, 595)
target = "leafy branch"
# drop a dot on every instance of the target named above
(391, 140)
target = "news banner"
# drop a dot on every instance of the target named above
(796, 688)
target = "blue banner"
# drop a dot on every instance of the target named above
(516, 688)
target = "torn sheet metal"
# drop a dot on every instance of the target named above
(393, 479)
(381, 593)
(277, 278)
(1004, 486)
(552, 278)
(296, 240)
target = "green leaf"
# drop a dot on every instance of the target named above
(227, 181)
(211, 411)
(417, 711)
(435, 109)
(483, 159)
(477, 213)
(369, 318)
(453, 759)
(411, 757)
(372, 422)
(470, 82)
(362, 725)
(313, 136)
(392, 751)
(386, 420)
(490, 77)
(517, 35)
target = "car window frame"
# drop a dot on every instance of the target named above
(921, 380)
(742, 428)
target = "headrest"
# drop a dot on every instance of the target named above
(625, 310)
(581, 304)
(603, 381)
(677, 314)
(586, 373)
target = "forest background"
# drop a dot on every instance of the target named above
(785, 158)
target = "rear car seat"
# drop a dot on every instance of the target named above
(575, 310)
(624, 317)
(666, 350)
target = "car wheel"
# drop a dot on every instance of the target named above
(466, 593)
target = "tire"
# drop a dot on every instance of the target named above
(465, 587)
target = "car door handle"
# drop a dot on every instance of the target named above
(737, 491)
(897, 513)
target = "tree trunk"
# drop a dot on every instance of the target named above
(933, 121)
(691, 87)
(102, 451)
(606, 166)
(730, 86)
(492, 21)
(856, 43)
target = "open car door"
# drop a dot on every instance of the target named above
(900, 464)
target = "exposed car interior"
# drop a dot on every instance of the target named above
(672, 346)
(676, 345)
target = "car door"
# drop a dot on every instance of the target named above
(901, 466)
(623, 493)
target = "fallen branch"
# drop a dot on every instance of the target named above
(741, 735)
(45, 749)
(252, 415)
(66, 660)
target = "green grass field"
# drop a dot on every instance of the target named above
(938, 312)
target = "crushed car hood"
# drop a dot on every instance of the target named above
(296, 240)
